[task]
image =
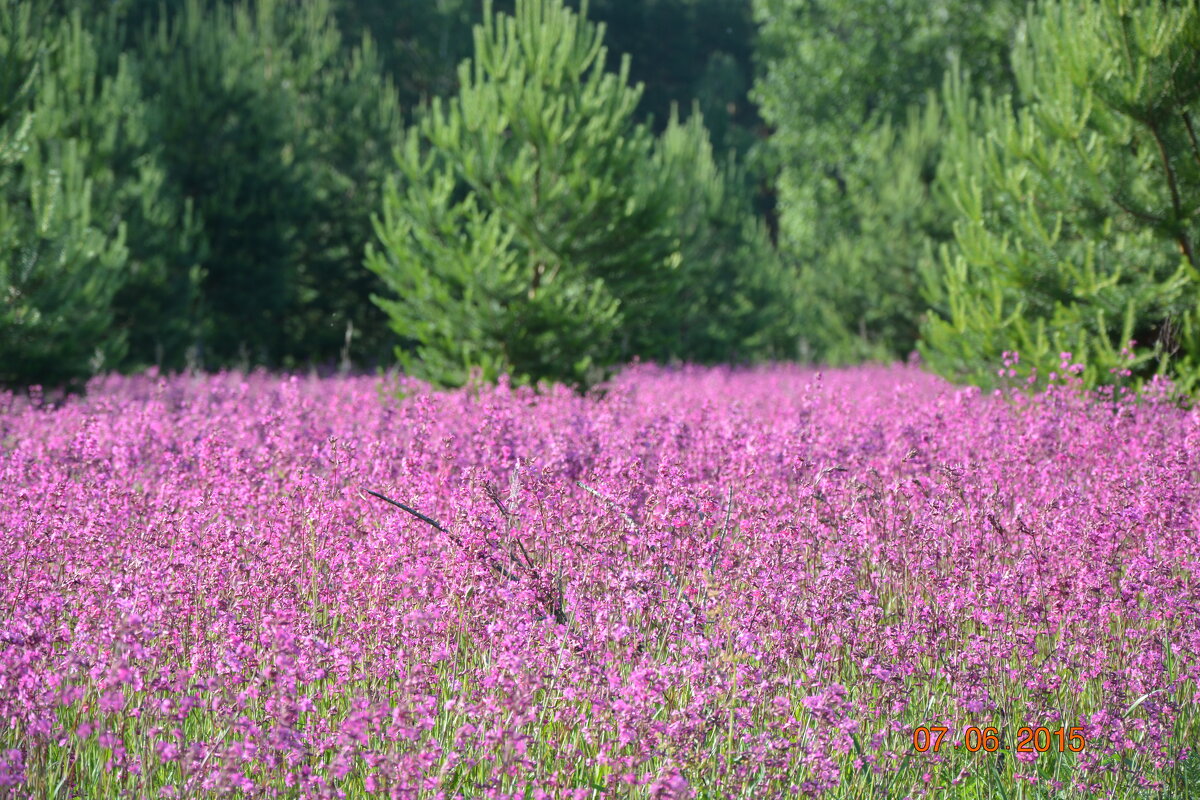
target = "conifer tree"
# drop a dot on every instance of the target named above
(1078, 200)
(861, 295)
(685, 51)
(845, 85)
(278, 136)
(421, 42)
(521, 236)
(62, 258)
(534, 229)
(735, 300)
(155, 311)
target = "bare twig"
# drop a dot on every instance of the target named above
(410, 510)
(510, 522)
(489, 560)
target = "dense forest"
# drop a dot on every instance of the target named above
(550, 190)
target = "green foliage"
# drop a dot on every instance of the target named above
(686, 51)
(520, 203)
(734, 299)
(154, 311)
(863, 294)
(277, 137)
(206, 171)
(62, 259)
(353, 122)
(421, 42)
(233, 151)
(1077, 200)
(831, 68)
(846, 85)
(681, 51)
(537, 231)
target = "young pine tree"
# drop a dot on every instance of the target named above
(154, 313)
(62, 258)
(863, 292)
(277, 135)
(1078, 211)
(534, 228)
(735, 300)
(845, 84)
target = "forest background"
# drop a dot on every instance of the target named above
(477, 188)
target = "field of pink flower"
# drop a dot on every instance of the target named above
(694, 583)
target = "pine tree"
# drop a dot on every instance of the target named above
(277, 134)
(1078, 200)
(735, 300)
(536, 230)
(155, 311)
(846, 85)
(421, 43)
(62, 259)
(862, 294)
(520, 237)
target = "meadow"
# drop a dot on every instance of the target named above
(686, 583)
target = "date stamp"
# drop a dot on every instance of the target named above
(1028, 740)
